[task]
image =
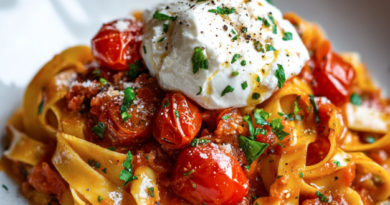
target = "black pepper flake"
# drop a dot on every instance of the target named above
(336, 178)
(225, 27)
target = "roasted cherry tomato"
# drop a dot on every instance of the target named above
(205, 174)
(333, 76)
(177, 122)
(118, 43)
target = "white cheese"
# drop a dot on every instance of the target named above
(170, 60)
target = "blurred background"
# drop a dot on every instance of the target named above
(32, 32)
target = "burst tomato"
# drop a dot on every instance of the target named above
(333, 76)
(177, 121)
(118, 43)
(205, 174)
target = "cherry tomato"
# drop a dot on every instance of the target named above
(118, 43)
(139, 125)
(177, 122)
(206, 174)
(333, 76)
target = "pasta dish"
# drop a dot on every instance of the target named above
(202, 102)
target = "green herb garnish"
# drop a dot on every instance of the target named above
(100, 199)
(127, 174)
(244, 85)
(243, 63)
(127, 101)
(195, 142)
(280, 75)
(163, 17)
(166, 27)
(223, 11)
(251, 148)
(235, 58)
(313, 103)
(99, 129)
(277, 129)
(200, 90)
(356, 99)
(255, 96)
(322, 197)
(166, 103)
(199, 61)
(288, 36)
(228, 89)
(40, 107)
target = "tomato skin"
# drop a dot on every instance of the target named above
(333, 77)
(172, 131)
(217, 176)
(117, 49)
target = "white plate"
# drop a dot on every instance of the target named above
(33, 31)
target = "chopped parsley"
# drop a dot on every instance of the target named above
(166, 103)
(223, 11)
(228, 89)
(103, 81)
(248, 119)
(111, 148)
(244, 85)
(313, 103)
(259, 18)
(337, 163)
(177, 114)
(258, 46)
(297, 109)
(266, 23)
(93, 163)
(195, 142)
(277, 129)
(226, 117)
(370, 139)
(274, 29)
(247, 167)
(104, 170)
(270, 2)
(100, 199)
(301, 174)
(199, 61)
(161, 40)
(200, 1)
(251, 148)
(188, 173)
(322, 197)
(235, 58)
(97, 72)
(244, 29)
(147, 157)
(233, 32)
(288, 36)
(127, 174)
(127, 101)
(163, 17)
(261, 117)
(193, 185)
(200, 90)
(235, 37)
(166, 27)
(99, 129)
(235, 73)
(144, 49)
(258, 79)
(151, 191)
(280, 176)
(243, 63)
(40, 107)
(356, 99)
(255, 96)
(5, 187)
(280, 75)
(134, 68)
(281, 145)
(291, 116)
(268, 47)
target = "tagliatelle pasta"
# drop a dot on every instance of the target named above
(95, 128)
